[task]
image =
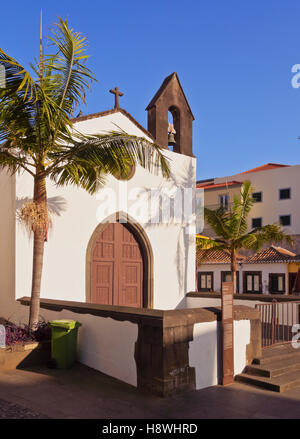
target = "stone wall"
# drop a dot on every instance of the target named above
(161, 352)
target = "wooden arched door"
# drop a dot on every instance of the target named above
(117, 268)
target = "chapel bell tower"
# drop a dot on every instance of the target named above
(171, 98)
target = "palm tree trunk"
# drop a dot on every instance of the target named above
(233, 269)
(39, 197)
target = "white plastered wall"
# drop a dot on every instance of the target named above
(80, 213)
(104, 344)
(241, 340)
(7, 246)
(203, 354)
(205, 351)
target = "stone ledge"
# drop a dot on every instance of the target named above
(240, 312)
(166, 318)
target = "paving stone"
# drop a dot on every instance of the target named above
(8, 410)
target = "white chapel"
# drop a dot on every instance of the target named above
(127, 245)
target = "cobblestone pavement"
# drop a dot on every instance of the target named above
(8, 410)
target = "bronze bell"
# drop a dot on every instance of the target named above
(171, 139)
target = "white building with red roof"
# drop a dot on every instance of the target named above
(276, 194)
(272, 270)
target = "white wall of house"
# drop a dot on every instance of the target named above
(266, 269)
(64, 274)
(216, 269)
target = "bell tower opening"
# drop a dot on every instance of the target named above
(171, 132)
(174, 129)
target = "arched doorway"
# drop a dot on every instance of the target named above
(120, 265)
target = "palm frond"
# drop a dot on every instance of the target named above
(14, 159)
(241, 209)
(206, 243)
(35, 124)
(70, 76)
(218, 221)
(17, 118)
(86, 160)
(17, 79)
(256, 238)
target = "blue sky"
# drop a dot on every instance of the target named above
(233, 58)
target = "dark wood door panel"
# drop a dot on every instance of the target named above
(130, 292)
(102, 280)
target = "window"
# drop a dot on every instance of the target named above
(293, 287)
(226, 277)
(284, 194)
(205, 281)
(252, 282)
(285, 220)
(223, 201)
(256, 222)
(257, 197)
(276, 283)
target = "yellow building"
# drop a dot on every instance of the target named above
(292, 270)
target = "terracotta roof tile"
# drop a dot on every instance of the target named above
(265, 167)
(214, 186)
(272, 254)
(215, 257)
(268, 255)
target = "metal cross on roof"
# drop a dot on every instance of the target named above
(117, 93)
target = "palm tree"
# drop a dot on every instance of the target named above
(230, 227)
(37, 136)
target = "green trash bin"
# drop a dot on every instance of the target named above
(64, 342)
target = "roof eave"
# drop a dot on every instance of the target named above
(107, 113)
